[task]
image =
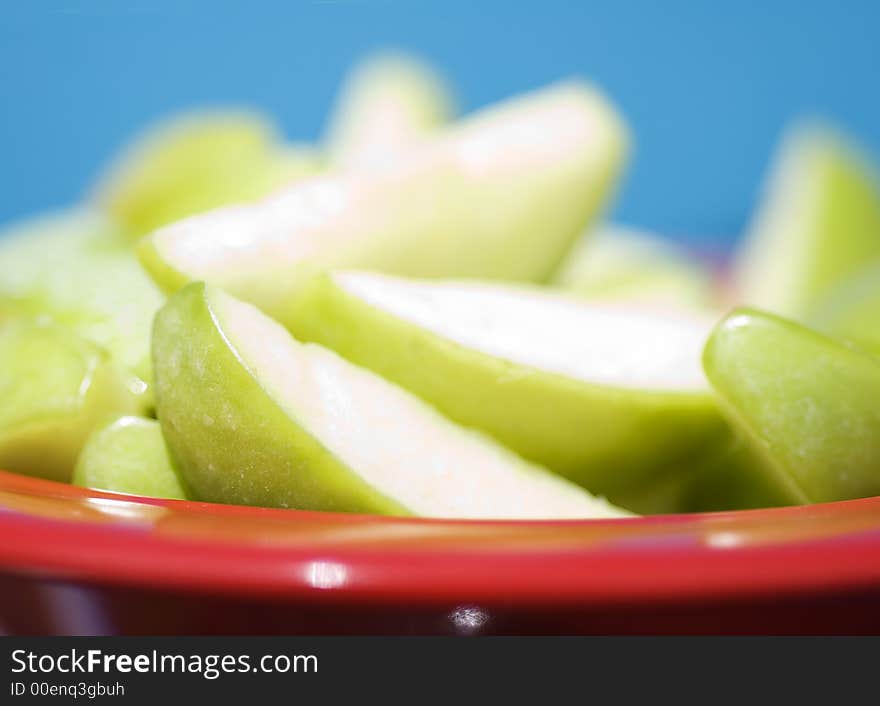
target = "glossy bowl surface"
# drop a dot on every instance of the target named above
(81, 561)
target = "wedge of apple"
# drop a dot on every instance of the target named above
(76, 268)
(501, 196)
(735, 477)
(818, 225)
(618, 263)
(129, 456)
(852, 311)
(255, 417)
(609, 396)
(804, 405)
(195, 162)
(54, 389)
(387, 106)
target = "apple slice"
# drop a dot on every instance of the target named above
(624, 264)
(256, 418)
(500, 196)
(818, 225)
(195, 162)
(611, 397)
(76, 268)
(735, 477)
(852, 311)
(805, 405)
(55, 388)
(389, 104)
(129, 456)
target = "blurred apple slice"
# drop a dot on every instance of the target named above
(54, 389)
(818, 225)
(388, 105)
(610, 396)
(129, 456)
(805, 406)
(618, 263)
(195, 162)
(76, 268)
(501, 196)
(852, 311)
(256, 418)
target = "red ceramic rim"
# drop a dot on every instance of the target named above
(60, 531)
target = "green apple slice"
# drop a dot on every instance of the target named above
(388, 105)
(609, 396)
(55, 388)
(735, 478)
(76, 268)
(129, 456)
(624, 264)
(805, 406)
(852, 311)
(254, 417)
(818, 225)
(500, 196)
(196, 162)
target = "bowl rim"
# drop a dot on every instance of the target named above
(246, 552)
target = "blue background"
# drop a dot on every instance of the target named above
(706, 86)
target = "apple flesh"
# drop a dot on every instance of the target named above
(819, 224)
(76, 269)
(388, 105)
(804, 406)
(624, 264)
(254, 417)
(56, 388)
(502, 195)
(129, 456)
(611, 397)
(196, 162)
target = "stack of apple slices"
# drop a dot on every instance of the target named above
(425, 316)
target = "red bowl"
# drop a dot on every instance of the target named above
(87, 562)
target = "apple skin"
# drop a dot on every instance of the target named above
(129, 456)
(57, 388)
(614, 442)
(77, 268)
(736, 478)
(817, 225)
(805, 405)
(493, 197)
(232, 442)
